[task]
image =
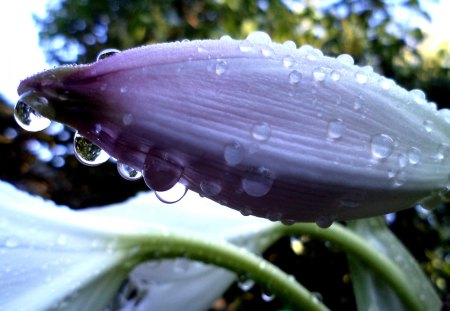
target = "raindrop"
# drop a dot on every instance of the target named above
(289, 44)
(381, 146)
(295, 77)
(127, 172)
(234, 153)
(245, 283)
(261, 131)
(346, 59)
(324, 222)
(226, 38)
(210, 188)
(358, 103)
(428, 125)
(267, 297)
(414, 155)
(336, 129)
(335, 75)
(220, 67)
(88, 153)
(386, 84)
(173, 195)
(159, 174)
(319, 74)
(258, 182)
(418, 96)
(361, 77)
(267, 51)
(246, 46)
(259, 37)
(288, 61)
(107, 53)
(402, 160)
(399, 179)
(28, 118)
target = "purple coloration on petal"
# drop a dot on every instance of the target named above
(291, 132)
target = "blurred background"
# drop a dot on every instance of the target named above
(406, 40)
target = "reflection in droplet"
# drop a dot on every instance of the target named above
(127, 172)
(319, 74)
(173, 195)
(381, 146)
(414, 155)
(258, 182)
(336, 129)
(261, 131)
(220, 67)
(234, 153)
(160, 174)
(267, 297)
(87, 152)
(245, 284)
(27, 117)
(107, 53)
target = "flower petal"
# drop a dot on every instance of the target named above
(276, 132)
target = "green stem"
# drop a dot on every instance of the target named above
(358, 247)
(229, 256)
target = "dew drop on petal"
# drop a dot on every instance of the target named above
(346, 59)
(336, 129)
(414, 155)
(28, 118)
(107, 53)
(399, 179)
(226, 38)
(290, 45)
(245, 284)
(173, 195)
(261, 132)
(361, 77)
(127, 172)
(294, 77)
(335, 75)
(220, 67)
(259, 37)
(381, 146)
(288, 61)
(428, 125)
(257, 182)
(210, 188)
(386, 84)
(87, 152)
(246, 46)
(445, 114)
(234, 153)
(324, 222)
(159, 174)
(319, 74)
(418, 96)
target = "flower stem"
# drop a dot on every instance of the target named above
(234, 258)
(358, 247)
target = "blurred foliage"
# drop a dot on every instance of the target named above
(77, 30)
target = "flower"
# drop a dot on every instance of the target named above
(54, 258)
(265, 128)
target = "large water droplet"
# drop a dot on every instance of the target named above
(289, 44)
(414, 155)
(336, 129)
(259, 37)
(319, 74)
(386, 84)
(346, 59)
(234, 153)
(361, 77)
(258, 182)
(159, 174)
(107, 53)
(418, 96)
(261, 131)
(381, 146)
(295, 77)
(220, 67)
(87, 152)
(226, 38)
(335, 75)
(173, 195)
(127, 172)
(27, 117)
(210, 188)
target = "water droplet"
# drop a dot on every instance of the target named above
(127, 119)
(428, 126)
(381, 146)
(258, 182)
(386, 84)
(297, 245)
(267, 297)
(226, 38)
(414, 155)
(123, 89)
(290, 45)
(261, 131)
(267, 51)
(418, 96)
(173, 195)
(234, 153)
(319, 74)
(402, 160)
(12, 243)
(358, 103)
(246, 46)
(295, 77)
(445, 114)
(288, 61)
(210, 188)
(127, 172)
(324, 222)
(442, 152)
(259, 37)
(361, 77)
(346, 59)
(107, 53)
(221, 67)
(160, 174)
(335, 75)
(245, 283)
(88, 153)
(336, 129)
(399, 179)
(27, 117)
